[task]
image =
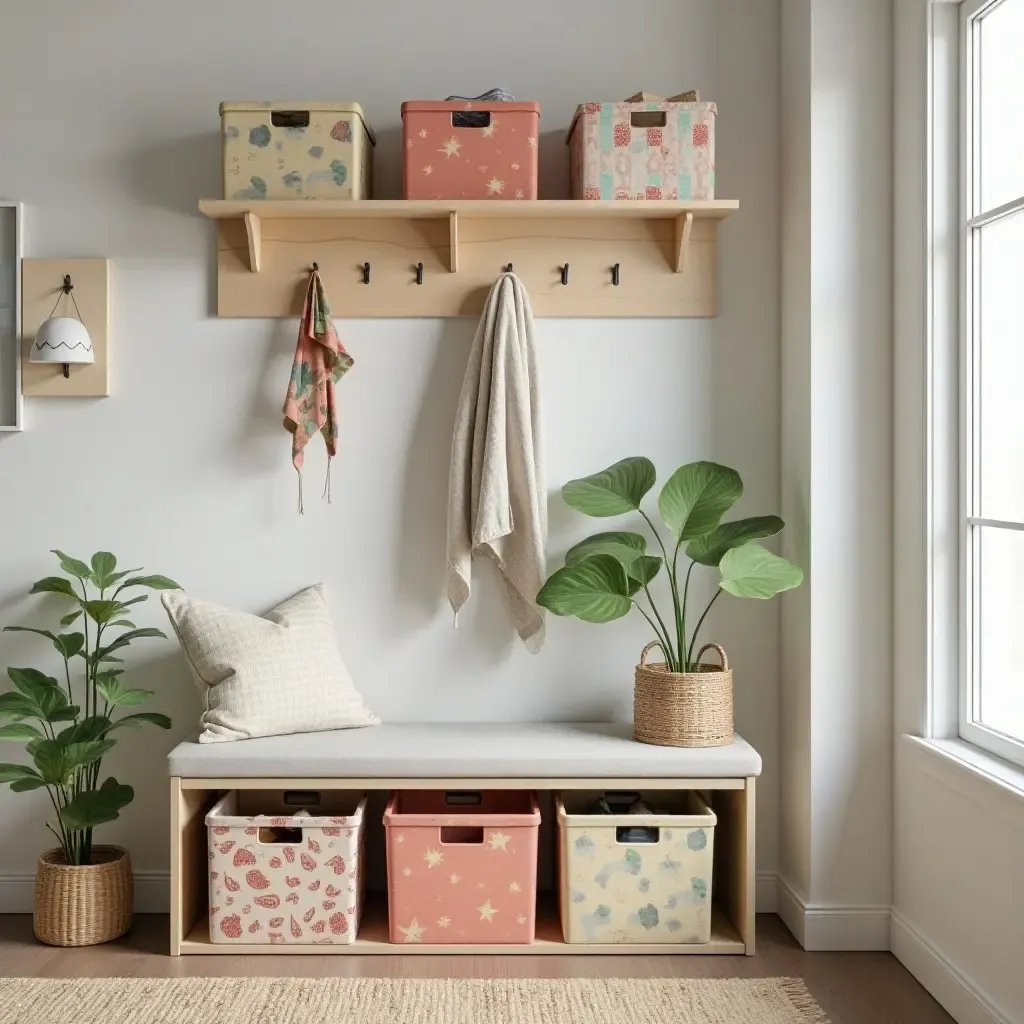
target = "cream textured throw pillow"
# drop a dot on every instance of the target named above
(267, 675)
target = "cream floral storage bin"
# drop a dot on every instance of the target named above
(640, 878)
(296, 150)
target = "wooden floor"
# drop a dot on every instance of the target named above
(853, 988)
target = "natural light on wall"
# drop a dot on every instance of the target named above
(992, 708)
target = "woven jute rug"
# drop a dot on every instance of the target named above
(406, 1001)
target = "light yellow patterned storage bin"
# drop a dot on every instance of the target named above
(296, 150)
(647, 887)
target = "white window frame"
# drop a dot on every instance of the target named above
(969, 703)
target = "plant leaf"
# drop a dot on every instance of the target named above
(139, 718)
(69, 644)
(696, 496)
(751, 571)
(17, 706)
(30, 629)
(594, 590)
(31, 682)
(20, 731)
(53, 585)
(709, 549)
(73, 566)
(77, 755)
(617, 489)
(95, 727)
(134, 600)
(101, 611)
(13, 772)
(644, 569)
(113, 691)
(65, 714)
(49, 760)
(98, 806)
(153, 582)
(124, 622)
(621, 545)
(66, 620)
(26, 784)
(103, 566)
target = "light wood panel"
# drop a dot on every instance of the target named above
(189, 892)
(373, 938)
(41, 282)
(665, 251)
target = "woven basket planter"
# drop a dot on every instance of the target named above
(683, 709)
(82, 905)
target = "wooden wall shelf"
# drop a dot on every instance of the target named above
(664, 249)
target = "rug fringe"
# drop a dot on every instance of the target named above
(803, 1002)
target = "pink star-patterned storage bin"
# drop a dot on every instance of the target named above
(492, 157)
(280, 876)
(462, 866)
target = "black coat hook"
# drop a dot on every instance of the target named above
(366, 273)
(565, 273)
(316, 267)
(67, 287)
(508, 269)
(615, 275)
(419, 273)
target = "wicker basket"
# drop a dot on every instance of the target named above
(683, 709)
(82, 905)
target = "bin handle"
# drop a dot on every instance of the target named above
(463, 798)
(650, 647)
(721, 654)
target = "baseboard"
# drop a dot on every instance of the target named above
(152, 893)
(821, 927)
(962, 999)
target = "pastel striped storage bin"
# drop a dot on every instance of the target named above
(636, 877)
(462, 866)
(656, 149)
(280, 877)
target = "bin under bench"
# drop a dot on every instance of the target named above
(542, 757)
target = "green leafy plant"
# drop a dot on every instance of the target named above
(604, 574)
(67, 738)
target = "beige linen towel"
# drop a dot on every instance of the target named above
(497, 501)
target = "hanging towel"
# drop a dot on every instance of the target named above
(320, 362)
(497, 500)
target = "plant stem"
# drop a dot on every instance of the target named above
(85, 626)
(700, 622)
(677, 655)
(67, 676)
(670, 654)
(686, 599)
(662, 641)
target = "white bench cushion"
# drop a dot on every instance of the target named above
(463, 750)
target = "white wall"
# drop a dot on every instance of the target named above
(185, 469)
(836, 470)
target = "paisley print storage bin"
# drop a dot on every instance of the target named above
(298, 149)
(462, 866)
(285, 867)
(450, 156)
(635, 877)
(643, 149)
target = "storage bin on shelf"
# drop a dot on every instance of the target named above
(643, 149)
(296, 150)
(285, 867)
(494, 156)
(462, 866)
(635, 877)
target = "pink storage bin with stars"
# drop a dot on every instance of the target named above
(462, 866)
(491, 154)
(285, 867)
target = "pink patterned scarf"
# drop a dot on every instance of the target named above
(320, 362)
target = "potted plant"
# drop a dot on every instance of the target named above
(680, 702)
(83, 892)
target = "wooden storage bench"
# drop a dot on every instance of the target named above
(563, 756)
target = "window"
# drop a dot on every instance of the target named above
(992, 377)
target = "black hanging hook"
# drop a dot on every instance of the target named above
(508, 269)
(316, 267)
(366, 273)
(615, 275)
(419, 273)
(67, 287)
(565, 273)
